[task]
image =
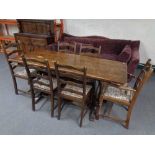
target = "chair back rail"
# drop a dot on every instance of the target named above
(43, 71)
(66, 47)
(143, 77)
(90, 50)
(72, 76)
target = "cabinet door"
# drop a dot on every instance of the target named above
(29, 27)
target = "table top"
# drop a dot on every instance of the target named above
(97, 68)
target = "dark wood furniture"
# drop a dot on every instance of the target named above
(90, 50)
(124, 96)
(17, 71)
(6, 38)
(99, 69)
(66, 47)
(73, 87)
(43, 81)
(34, 34)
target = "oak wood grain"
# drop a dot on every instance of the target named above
(97, 68)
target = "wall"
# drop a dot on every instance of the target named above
(134, 29)
(12, 29)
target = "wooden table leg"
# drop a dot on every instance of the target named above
(95, 102)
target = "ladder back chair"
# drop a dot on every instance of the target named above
(89, 50)
(71, 88)
(43, 81)
(66, 47)
(124, 96)
(17, 70)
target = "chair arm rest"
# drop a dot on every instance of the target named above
(124, 87)
(127, 88)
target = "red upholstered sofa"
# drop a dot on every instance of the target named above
(110, 48)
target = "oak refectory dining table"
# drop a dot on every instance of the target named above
(99, 69)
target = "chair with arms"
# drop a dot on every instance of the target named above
(43, 81)
(73, 86)
(124, 95)
(17, 70)
(67, 47)
(89, 50)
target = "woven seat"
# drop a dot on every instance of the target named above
(77, 89)
(23, 73)
(118, 94)
(42, 85)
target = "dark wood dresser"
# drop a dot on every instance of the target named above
(34, 34)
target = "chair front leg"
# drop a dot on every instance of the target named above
(83, 112)
(59, 106)
(33, 99)
(15, 85)
(128, 117)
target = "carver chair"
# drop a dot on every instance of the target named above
(124, 96)
(43, 81)
(17, 70)
(71, 88)
(66, 47)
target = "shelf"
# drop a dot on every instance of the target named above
(7, 38)
(8, 21)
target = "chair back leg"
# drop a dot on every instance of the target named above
(52, 105)
(82, 115)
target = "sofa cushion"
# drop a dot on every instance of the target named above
(125, 55)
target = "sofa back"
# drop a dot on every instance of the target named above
(109, 46)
